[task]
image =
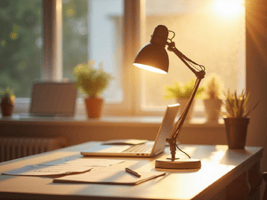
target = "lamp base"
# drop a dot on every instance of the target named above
(187, 163)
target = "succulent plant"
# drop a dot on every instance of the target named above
(181, 90)
(91, 81)
(7, 96)
(212, 87)
(237, 106)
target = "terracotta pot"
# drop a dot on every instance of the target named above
(94, 107)
(183, 103)
(6, 109)
(236, 132)
(212, 108)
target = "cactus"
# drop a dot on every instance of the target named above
(213, 87)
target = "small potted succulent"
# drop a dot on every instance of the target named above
(182, 92)
(7, 102)
(236, 118)
(92, 82)
(212, 97)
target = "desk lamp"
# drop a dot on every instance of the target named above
(153, 57)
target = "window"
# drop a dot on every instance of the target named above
(211, 33)
(112, 31)
(21, 45)
(92, 30)
(207, 32)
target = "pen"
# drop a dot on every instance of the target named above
(133, 172)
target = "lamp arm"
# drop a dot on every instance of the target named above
(178, 125)
(186, 60)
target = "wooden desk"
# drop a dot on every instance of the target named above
(225, 174)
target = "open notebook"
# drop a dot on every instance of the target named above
(107, 176)
(149, 149)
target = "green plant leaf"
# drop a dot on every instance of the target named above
(181, 90)
(237, 105)
(90, 81)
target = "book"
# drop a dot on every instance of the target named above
(108, 176)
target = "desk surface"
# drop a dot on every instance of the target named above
(220, 167)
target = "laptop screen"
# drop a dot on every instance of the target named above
(53, 98)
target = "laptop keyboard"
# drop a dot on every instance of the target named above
(144, 148)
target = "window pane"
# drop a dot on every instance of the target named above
(92, 29)
(21, 44)
(208, 32)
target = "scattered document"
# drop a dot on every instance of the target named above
(108, 176)
(89, 162)
(42, 170)
(125, 142)
(63, 167)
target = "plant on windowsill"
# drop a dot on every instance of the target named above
(236, 118)
(181, 92)
(212, 98)
(7, 102)
(92, 82)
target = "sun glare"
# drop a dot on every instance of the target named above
(228, 8)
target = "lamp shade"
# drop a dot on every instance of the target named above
(153, 56)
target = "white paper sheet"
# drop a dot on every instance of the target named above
(41, 170)
(63, 167)
(107, 176)
(89, 162)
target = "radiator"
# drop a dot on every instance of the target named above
(18, 147)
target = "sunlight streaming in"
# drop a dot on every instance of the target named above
(229, 8)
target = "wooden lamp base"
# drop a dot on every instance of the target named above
(187, 163)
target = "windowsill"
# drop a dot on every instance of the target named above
(106, 121)
(80, 129)
(23, 106)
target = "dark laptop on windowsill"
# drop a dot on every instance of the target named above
(52, 99)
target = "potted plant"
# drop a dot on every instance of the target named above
(212, 96)
(92, 82)
(7, 102)
(182, 92)
(236, 118)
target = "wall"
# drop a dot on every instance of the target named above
(256, 51)
(256, 78)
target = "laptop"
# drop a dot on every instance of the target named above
(149, 149)
(53, 99)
